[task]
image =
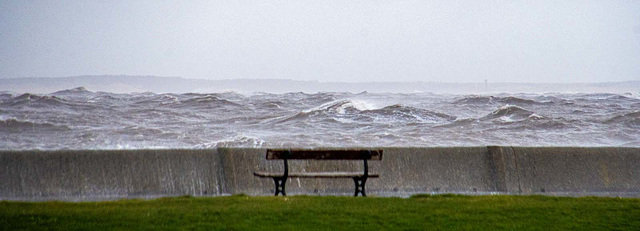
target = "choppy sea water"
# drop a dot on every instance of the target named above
(81, 119)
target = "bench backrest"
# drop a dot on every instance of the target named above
(306, 154)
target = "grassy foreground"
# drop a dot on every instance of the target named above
(328, 213)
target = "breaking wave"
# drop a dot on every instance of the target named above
(355, 111)
(342, 107)
(399, 112)
(509, 113)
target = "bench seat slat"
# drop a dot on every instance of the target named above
(315, 174)
(306, 154)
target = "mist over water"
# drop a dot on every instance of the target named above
(82, 119)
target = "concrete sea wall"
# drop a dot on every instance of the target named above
(112, 174)
(100, 175)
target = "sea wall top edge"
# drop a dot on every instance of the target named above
(306, 148)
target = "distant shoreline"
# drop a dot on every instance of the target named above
(128, 84)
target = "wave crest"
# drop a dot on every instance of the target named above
(412, 114)
(509, 113)
(207, 100)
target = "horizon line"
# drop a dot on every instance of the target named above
(317, 81)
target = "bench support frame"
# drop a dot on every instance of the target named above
(282, 180)
(360, 182)
(280, 185)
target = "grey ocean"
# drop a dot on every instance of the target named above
(81, 119)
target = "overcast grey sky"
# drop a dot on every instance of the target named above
(449, 41)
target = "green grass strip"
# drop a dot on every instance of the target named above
(328, 213)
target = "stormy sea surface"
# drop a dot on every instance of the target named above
(82, 119)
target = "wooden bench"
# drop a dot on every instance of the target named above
(359, 178)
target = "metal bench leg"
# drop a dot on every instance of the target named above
(360, 182)
(280, 185)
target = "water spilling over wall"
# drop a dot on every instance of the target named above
(105, 174)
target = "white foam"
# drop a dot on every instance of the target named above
(508, 106)
(536, 116)
(357, 104)
(340, 106)
(506, 119)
